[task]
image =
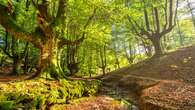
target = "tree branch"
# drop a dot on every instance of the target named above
(78, 41)
(11, 27)
(61, 11)
(146, 20)
(157, 19)
(146, 16)
(170, 13)
(166, 31)
(166, 17)
(176, 9)
(64, 41)
(171, 18)
(139, 34)
(89, 21)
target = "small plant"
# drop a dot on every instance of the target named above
(38, 94)
(6, 105)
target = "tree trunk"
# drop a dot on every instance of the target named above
(157, 46)
(117, 62)
(72, 63)
(16, 66)
(48, 62)
(190, 6)
(104, 70)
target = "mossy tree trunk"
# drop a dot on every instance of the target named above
(48, 61)
(17, 66)
(45, 37)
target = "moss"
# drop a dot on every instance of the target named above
(6, 105)
(38, 94)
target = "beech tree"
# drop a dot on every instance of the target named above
(159, 18)
(47, 36)
(76, 37)
(191, 9)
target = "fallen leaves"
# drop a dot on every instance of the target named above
(169, 94)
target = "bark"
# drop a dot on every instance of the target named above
(159, 29)
(45, 37)
(48, 62)
(16, 66)
(181, 38)
(129, 53)
(11, 51)
(90, 63)
(72, 62)
(147, 47)
(26, 59)
(104, 70)
(191, 12)
(157, 46)
(17, 58)
(103, 60)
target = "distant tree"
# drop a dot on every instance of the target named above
(191, 9)
(159, 20)
(102, 63)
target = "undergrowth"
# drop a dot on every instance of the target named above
(42, 94)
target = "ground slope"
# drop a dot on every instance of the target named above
(165, 83)
(158, 83)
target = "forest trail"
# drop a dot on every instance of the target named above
(167, 82)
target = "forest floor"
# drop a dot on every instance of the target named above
(159, 83)
(166, 83)
(6, 75)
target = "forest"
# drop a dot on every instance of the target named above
(97, 54)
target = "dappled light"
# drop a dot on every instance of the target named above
(97, 54)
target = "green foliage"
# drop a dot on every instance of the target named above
(6, 105)
(3, 2)
(38, 94)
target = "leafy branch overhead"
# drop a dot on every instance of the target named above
(45, 37)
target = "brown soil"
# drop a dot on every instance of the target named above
(165, 83)
(178, 65)
(168, 95)
(97, 103)
(6, 75)
(168, 80)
